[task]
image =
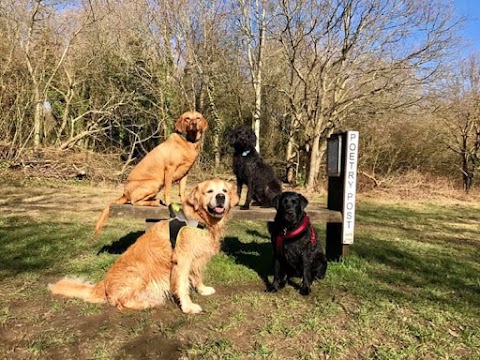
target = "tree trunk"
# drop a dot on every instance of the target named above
(255, 57)
(218, 123)
(313, 171)
(37, 123)
(257, 86)
(216, 150)
(290, 157)
(467, 178)
(256, 122)
(292, 152)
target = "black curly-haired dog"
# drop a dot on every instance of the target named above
(251, 170)
(296, 246)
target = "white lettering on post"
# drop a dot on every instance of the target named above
(350, 187)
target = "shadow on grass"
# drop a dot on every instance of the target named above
(254, 255)
(421, 223)
(122, 244)
(27, 245)
(430, 275)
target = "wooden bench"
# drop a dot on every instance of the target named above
(154, 214)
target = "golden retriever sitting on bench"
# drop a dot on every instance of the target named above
(167, 163)
(152, 268)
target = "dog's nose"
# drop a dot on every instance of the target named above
(220, 198)
(290, 212)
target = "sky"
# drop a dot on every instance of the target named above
(471, 10)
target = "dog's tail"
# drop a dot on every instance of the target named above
(104, 216)
(78, 288)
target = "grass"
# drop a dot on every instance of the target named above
(409, 290)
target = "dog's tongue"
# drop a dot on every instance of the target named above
(219, 209)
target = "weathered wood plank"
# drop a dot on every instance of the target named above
(315, 212)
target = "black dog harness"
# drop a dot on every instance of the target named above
(179, 222)
(290, 234)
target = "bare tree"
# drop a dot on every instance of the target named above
(112, 76)
(44, 55)
(200, 43)
(462, 118)
(343, 51)
(253, 24)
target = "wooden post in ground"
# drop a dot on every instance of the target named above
(342, 156)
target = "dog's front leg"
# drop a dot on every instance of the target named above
(181, 287)
(239, 187)
(181, 188)
(167, 186)
(248, 200)
(278, 277)
(196, 278)
(307, 276)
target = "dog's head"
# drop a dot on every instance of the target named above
(290, 207)
(213, 198)
(192, 124)
(242, 138)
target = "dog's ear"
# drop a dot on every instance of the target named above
(232, 137)
(272, 229)
(194, 198)
(181, 125)
(303, 201)
(276, 201)
(203, 125)
(252, 138)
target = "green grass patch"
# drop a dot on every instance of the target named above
(409, 290)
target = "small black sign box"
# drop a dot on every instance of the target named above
(334, 155)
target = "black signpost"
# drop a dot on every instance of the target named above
(342, 158)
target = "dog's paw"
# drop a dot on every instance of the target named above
(272, 289)
(206, 290)
(279, 284)
(305, 291)
(244, 207)
(192, 309)
(275, 286)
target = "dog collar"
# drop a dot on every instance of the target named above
(178, 214)
(184, 136)
(245, 153)
(290, 234)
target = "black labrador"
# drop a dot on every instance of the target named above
(296, 247)
(250, 169)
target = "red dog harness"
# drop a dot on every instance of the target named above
(293, 233)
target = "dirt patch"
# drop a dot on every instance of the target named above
(152, 347)
(56, 328)
(37, 329)
(71, 164)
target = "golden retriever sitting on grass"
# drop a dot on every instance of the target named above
(151, 269)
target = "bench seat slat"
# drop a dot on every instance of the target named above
(314, 211)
